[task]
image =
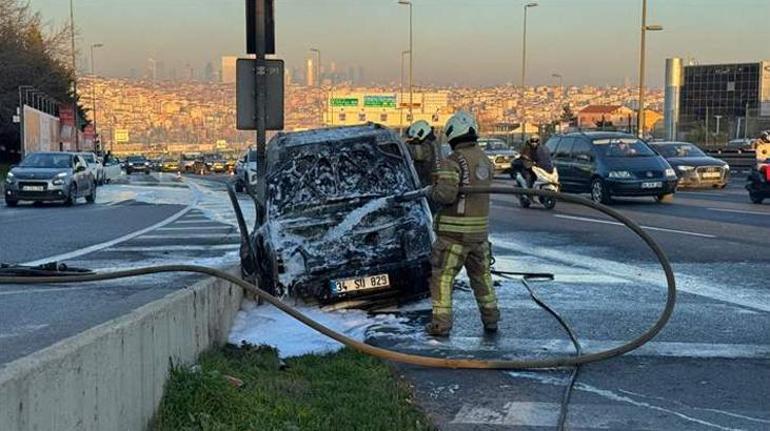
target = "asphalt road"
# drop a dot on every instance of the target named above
(151, 219)
(709, 367)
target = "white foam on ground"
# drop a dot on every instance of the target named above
(267, 325)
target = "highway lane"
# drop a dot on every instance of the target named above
(153, 219)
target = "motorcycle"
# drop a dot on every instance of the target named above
(543, 181)
(758, 182)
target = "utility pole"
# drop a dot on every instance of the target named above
(318, 83)
(645, 28)
(74, 79)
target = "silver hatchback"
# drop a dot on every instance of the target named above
(51, 176)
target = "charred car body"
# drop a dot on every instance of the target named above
(332, 229)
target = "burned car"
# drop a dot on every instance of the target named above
(333, 228)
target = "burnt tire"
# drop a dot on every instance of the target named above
(91, 198)
(72, 197)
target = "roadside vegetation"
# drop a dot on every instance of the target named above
(250, 388)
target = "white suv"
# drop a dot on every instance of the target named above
(246, 170)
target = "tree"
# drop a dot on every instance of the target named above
(567, 116)
(29, 55)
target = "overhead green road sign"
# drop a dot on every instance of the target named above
(344, 101)
(380, 101)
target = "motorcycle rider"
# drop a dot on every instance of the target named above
(461, 227)
(534, 153)
(421, 142)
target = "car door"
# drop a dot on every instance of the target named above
(583, 164)
(81, 176)
(562, 159)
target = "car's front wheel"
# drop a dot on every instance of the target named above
(11, 202)
(599, 192)
(665, 198)
(756, 198)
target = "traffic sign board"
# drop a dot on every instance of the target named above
(246, 93)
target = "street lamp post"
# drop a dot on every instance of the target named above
(74, 79)
(524, 44)
(718, 117)
(318, 79)
(411, 56)
(93, 85)
(560, 78)
(645, 28)
(401, 89)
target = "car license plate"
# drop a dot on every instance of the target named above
(33, 188)
(360, 283)
(652, 185)
(711, 175)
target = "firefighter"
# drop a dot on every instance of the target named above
(421, 141)
(461, 227)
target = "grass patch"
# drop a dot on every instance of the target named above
(339, 391)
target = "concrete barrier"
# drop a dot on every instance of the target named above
(111, 377)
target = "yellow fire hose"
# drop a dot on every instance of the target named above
(412, 359)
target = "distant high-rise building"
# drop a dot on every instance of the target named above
(152, 69)
(208, 72)
(352, 74)
(228, 69)
(361, 77)
(160, 71)
(189, 72)
(310, 73)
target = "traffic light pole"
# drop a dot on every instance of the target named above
(261, 48)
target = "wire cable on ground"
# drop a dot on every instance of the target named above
(526, 278)
(413, 359)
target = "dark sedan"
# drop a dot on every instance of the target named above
(608, 164)
(693, 167)
(43, 177)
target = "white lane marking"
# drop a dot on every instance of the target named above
(728, 210)
(583, 416)
(644, 275)
(612, 396)
(191, 236)
(223, 227)
(614, 223)
(101, 246)
(179, 248)
(51, 290)
(561, 346)
(195, 221)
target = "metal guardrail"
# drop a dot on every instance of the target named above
(744, 160)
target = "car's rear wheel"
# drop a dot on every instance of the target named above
(72, 198)
(599, 192)
(756, 198)
(548, 203)
(665, 198)
(91, 198)
(11, 202)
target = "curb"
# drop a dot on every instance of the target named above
(112, 376)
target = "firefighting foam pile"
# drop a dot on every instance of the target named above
(266, 325)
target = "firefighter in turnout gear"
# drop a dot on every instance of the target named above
(422, 145)
(461, 227)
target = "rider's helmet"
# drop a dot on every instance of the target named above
(461, 125)
(765, 136)
(419, 131)
(534, 140)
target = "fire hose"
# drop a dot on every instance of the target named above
(407, 358)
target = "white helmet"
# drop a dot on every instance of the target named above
(419, 130)
(461, 124)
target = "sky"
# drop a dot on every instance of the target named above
(463, 42)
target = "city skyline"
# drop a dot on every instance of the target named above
(584, 49)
